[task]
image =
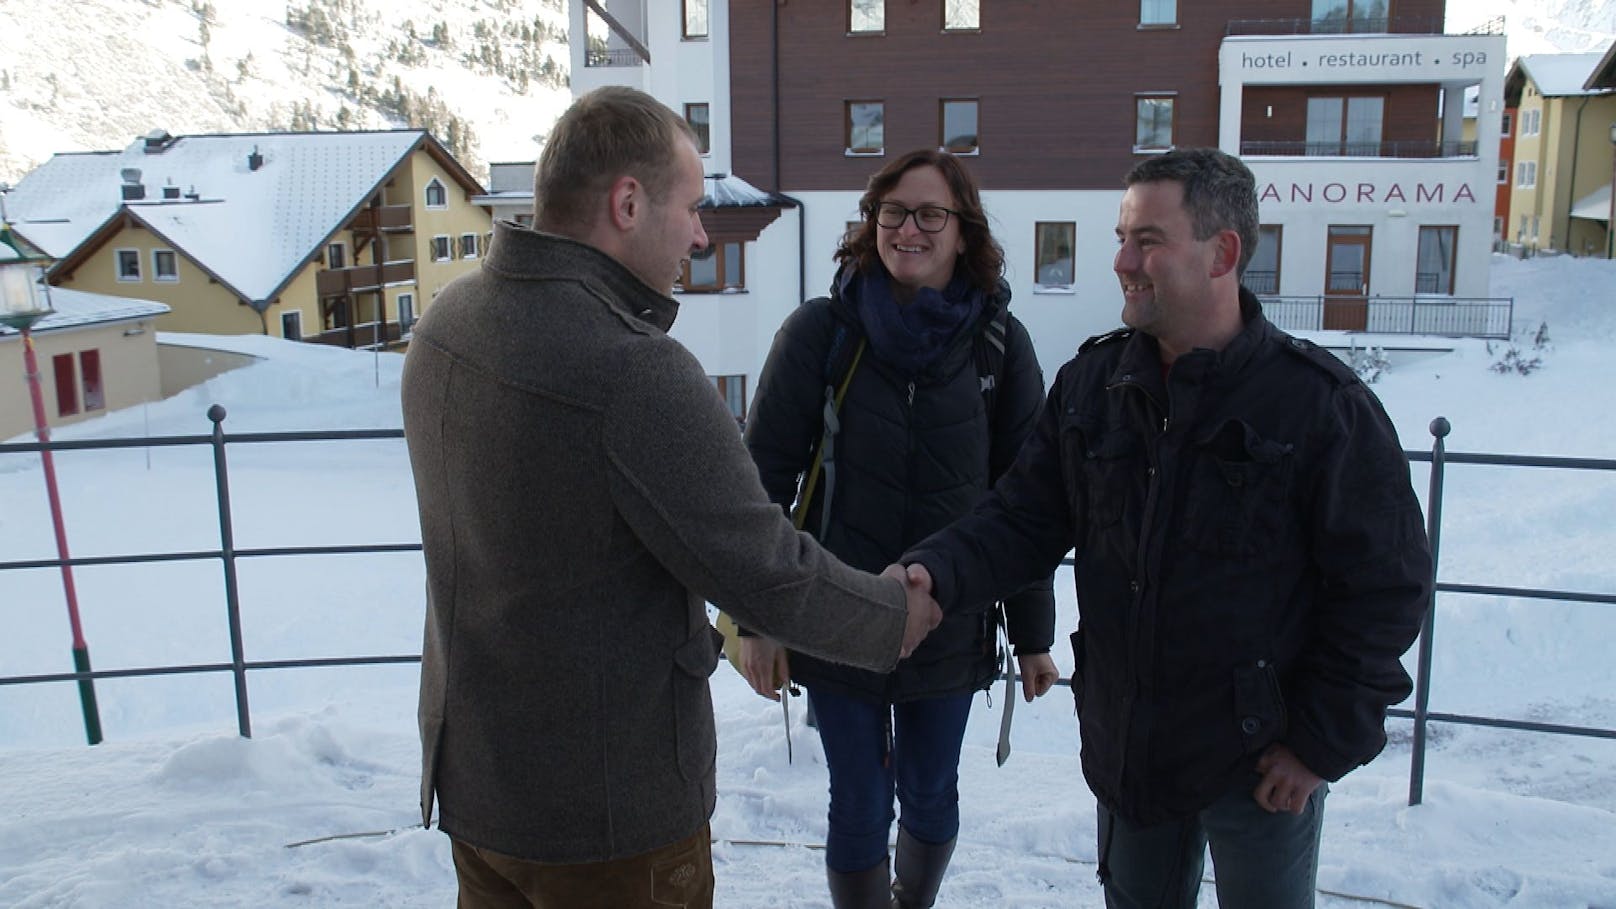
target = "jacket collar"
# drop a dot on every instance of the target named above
(524, 254)
(1140, 362)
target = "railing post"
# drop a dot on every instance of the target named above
(1440, 427)
(227, 552)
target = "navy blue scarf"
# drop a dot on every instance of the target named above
(913, 335)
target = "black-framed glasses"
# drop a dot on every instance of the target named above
(929, 218)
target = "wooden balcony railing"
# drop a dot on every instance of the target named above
(337, 282)
(385, 218)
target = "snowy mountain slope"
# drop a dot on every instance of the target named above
(486, 76)
(1541, 26)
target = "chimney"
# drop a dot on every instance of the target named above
(132, 188)
(170, 192)
(191, 194)
(255, 160)
(157, 141)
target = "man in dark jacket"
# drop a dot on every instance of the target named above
(1251, 559)
(583, 494)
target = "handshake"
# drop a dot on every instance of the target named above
(924, 613)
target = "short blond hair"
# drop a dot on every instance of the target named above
(609, 133)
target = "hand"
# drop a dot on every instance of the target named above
(924, 614)
(765, 666)
(1038, 674)
(1286, 782)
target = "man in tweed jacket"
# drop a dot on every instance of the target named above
(583, 494)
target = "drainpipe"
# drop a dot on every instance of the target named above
(1571, 188)
(802, 212)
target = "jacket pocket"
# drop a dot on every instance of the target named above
(1111, 466)
(1239, 491)
(694, 737)
(1259, 706)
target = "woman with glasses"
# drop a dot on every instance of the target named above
(920, 302)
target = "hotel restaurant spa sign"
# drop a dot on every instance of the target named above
(1312, 59)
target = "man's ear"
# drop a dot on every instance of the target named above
(626, 201)
(1225, 253)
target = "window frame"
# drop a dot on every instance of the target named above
(880, 29)
(1505, 124)
(157, 256)
(1525, 174)
(1164, 23)
(721, 385)
(960, 29)
(443, 192)
(1453, 256)
(685, 34)
(448, 248)
(402, 303)
(1342, 145)
(942, 126)
(118, 269)
(1279, 250)
(847, 128)
(1039, 285)
(704, 134)
(336, 254)
(92, 384)
(460, 247)
(1503, 171)
(721, 269)
(293, 318)
(66, 378)
(1139, 98)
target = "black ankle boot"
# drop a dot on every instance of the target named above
(867, 889)
(920, 868)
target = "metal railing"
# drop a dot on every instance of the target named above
(1452, 317)
(1347, 148)
(1359, 25)
(228, 554)
(617, 56)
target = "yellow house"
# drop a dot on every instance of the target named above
(95, 354)
(338, 237)
(1601, 206)
(1563, 153)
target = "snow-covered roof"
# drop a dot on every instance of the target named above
(730, 191)
(251, 228)
(1595, 206)
(75, 308)
(1560, 75)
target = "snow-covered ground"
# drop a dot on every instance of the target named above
(175, 809)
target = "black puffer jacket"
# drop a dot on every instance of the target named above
(1251, 560)
(913, 454)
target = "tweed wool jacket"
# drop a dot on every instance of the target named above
(583, 494)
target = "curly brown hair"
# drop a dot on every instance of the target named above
(983, 257)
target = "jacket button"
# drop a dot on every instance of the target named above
(1133, 586)
(1250, 725)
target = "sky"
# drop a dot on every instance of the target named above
(175, 809)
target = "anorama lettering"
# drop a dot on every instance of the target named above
(1370, 193)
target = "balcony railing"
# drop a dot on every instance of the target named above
(386, 218)
(1369, 25)
(1402, 148)
(1452, 317)
(337, 282)
(619, 56)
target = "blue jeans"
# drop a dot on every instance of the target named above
(1261, 860)
(923, 771)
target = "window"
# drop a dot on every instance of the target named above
(406, 311)
(1520, 235)
(292, 325)
(468, 246)
(336, 256)
(1344, 126)
(698, 116)
(1055, 245)
(866, 16)
(1433, 265)
(1525, 174)
(1337, 16)
(165, 265)
(524, 219)
(95, 396)
(440, 248)
(128, 264)
(67, 392)
(1154, 124)
(718, 267)
(695, 19)
(962, 15)
(1503, 171)
(865, 127)
(1508, 120)
(1262, 272)
(733, 390)
(959, 126)
(436, 195)
(1531, 122)
(1158, 12)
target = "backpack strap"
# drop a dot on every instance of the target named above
(840, 361)
(990, 356)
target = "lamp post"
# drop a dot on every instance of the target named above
(24, 300)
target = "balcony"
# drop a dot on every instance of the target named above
(617, 56)
(340, 282)
(1454, 317)
(1357, 25)
(1408, 148)
(383, 219)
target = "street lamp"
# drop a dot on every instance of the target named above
(24, 300)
